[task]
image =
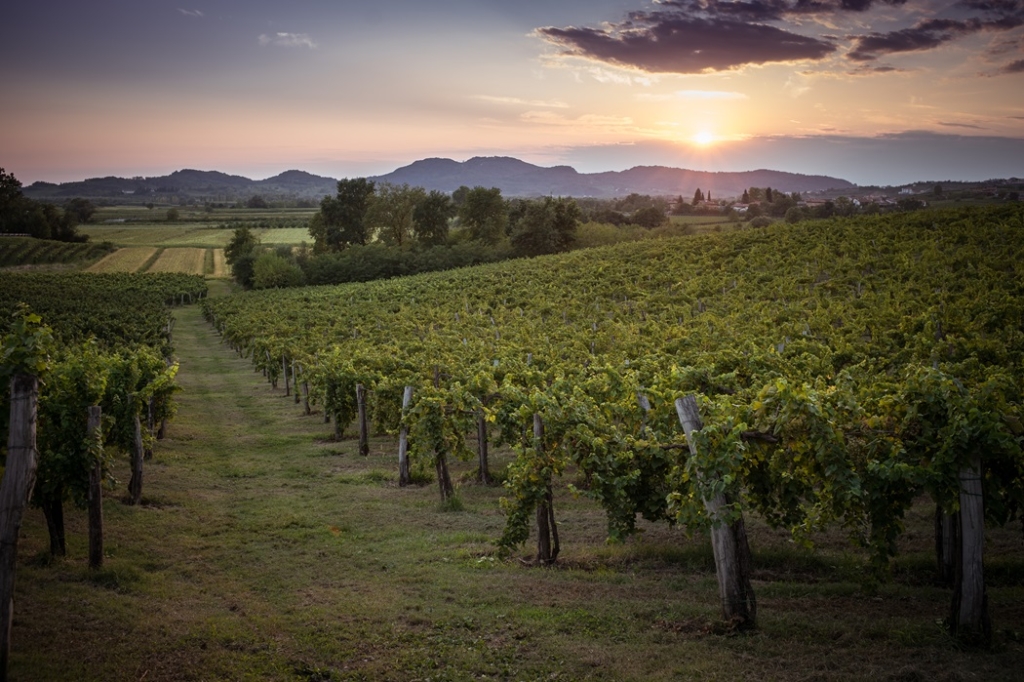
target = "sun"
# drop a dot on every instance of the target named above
(703, 138)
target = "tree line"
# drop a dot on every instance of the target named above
(21, 215)
(371, 230)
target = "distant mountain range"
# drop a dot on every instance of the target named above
(514, 177)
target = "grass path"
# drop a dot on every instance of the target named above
(264, 552)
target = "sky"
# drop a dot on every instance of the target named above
(872, 91)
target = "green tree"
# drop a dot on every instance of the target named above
(431, 216)
(173, 215)
(698, 197)
(649, 217)
(242, 242)
(21, 215)
(484, 214)
(257, 201)
(341, 220)
(273, 271)
(545, 226)
(81, 210)
(391, 212)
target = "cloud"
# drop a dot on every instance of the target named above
(516, 101)
(288, 40)
(661, 42)
(705, 36)
(700, 95)
(1013, 67)
(1004, 15)
(586, 121)
(191, 13)
(961, 125)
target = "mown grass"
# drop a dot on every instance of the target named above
(191, 261)
(265, 551)
(129, 259)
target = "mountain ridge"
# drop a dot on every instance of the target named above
(514, 177)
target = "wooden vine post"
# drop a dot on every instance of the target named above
(945, 545)
(284, 375)
(150, 426)
(547, 532)
(483, 473)
(135, 484)
(15, 488)
(404, 474)
(95, 498)
(728, 540)
(969, 619)
(364, 431)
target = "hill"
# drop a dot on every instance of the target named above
(515, 178)
(518, 178)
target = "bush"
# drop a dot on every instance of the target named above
(271, 271)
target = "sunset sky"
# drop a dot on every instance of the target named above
(873, 92)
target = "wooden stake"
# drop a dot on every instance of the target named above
(970, 618)
(135, 484)
(95, 498)
(364, 435)
(729, 541)
(15, 488)
(404, 475)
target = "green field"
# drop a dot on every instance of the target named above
(174, 234)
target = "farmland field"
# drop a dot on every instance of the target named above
(162, 234)
(129, 259)
(189, 261)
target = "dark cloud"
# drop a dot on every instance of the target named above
(960, 125)
(671, 42)
(696, 36)
(1014, 67)
(932, 33)
(999, 6)
(867, 70)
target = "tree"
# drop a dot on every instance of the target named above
(545, 226)
(273, 271)
(21, 215)
(242, 242)
(845, 207)
(81, 210)
(390, 212)
(257, 201)
(745, 199)
(430, 218)
(484, 214)
(698, 197)
(341, 220)
(649, 217)
(172, 215)
(768, 195)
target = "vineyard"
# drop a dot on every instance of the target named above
(835, 372)
(15, 251)
(782, 453)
